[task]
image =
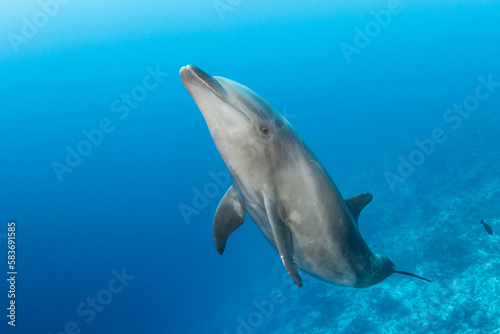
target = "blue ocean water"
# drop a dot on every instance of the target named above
(102, 150)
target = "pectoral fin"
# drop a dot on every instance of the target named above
(357, 203)
(228, 217)
(284, 240)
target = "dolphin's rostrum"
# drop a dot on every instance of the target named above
(279, 182)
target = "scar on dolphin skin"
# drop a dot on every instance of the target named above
(278, 190)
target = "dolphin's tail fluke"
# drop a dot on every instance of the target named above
(403, 272)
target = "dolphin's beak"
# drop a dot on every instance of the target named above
(191, 73)
(211, 96)
(403, 272)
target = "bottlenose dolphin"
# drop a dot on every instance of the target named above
(284, 188)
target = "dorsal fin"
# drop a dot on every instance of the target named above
(357, 203)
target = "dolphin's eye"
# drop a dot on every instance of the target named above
(265, 130)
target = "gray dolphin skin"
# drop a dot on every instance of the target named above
(283, 187)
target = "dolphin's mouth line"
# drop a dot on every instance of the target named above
(218, 94)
